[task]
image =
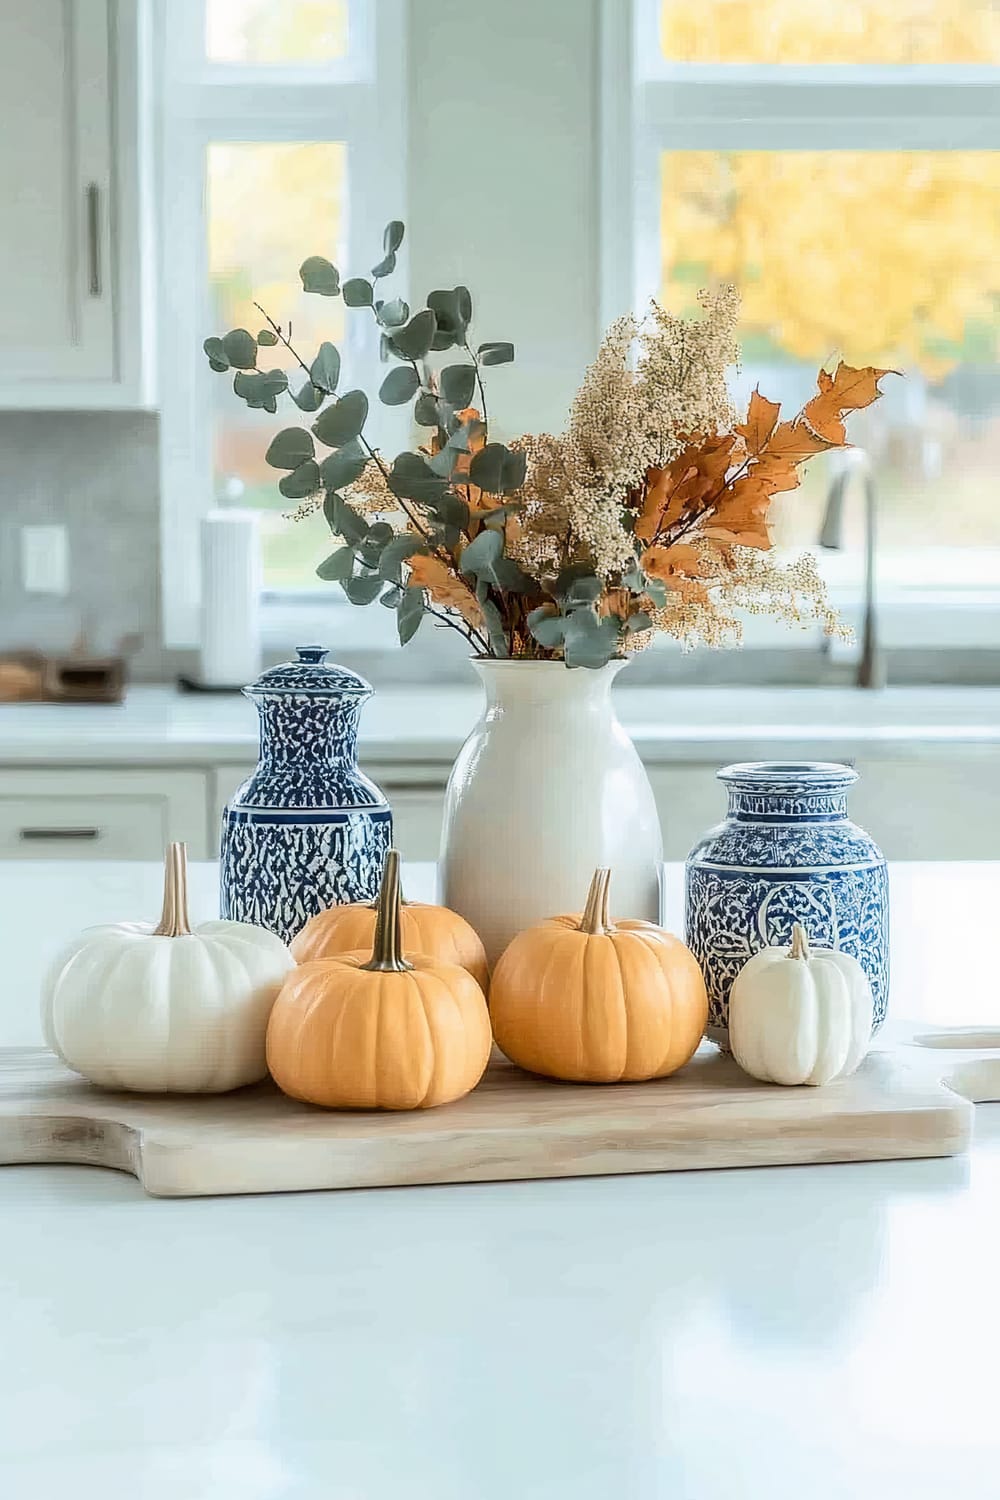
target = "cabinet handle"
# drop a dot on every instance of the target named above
(94, 237)
(37, 835)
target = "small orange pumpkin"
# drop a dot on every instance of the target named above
(379, 1031)
(584, 1000)
(433, 930)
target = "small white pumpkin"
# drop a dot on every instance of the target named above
(163, 1009)
(800, 1015)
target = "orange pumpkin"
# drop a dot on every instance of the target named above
(379, 1031)
(582, 999)
(433, 930)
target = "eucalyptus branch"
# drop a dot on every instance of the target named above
(482, 389)
(466, 630)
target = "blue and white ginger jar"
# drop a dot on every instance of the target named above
(307, 830)
(786, 853)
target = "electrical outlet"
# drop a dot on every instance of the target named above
(45, 559)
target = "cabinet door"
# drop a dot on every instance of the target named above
(56, 295)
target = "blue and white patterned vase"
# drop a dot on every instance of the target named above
(786, 853)
(307, 830)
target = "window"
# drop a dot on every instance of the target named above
(281, 137)
(842, 167)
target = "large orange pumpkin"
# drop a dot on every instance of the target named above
(582, 999)
(433, 930)
(377, 1030)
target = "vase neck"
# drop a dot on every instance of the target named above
(796, 807)
(516, 685)
(296, 729)
(788, 792)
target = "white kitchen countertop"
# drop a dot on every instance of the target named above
(742, 1335)
(427, 724)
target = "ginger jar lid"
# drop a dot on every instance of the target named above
(310, 675)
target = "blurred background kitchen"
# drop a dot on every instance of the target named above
(163, 166)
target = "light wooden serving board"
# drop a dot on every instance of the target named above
(912, 1097)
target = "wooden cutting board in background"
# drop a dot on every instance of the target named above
(710, 1114)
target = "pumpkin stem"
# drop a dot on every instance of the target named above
(800, 943)
(595, 919)
(387, 949)
(174, 917)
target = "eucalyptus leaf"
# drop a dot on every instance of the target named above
(497, 469)
(588, 641)
(397, 552)
(309, 398)
(414, 340)
(240, 348)
(325, 368)
(289, 448)
(547, 628)
(391, 597)
(657, 591)
(344, 521)
(318, 275)
(385, 267)
(394, 314)
(458, 383)
(399, 386)
(450, 510)
(267, 338)
(425, 410)
(392, 236)
(447, 308)
(379, 536)
(216, 354)
(260, 389)
(412, 478)
(639, 621)
(338, 566)
(341, 423)
(342, 468)
(364, 588)
(358, 292)
(443, 340)
(586, 588)
(301, 482)
(464, 303)
(409, 613)
(494, 628)
(496, 354)
(484, 558)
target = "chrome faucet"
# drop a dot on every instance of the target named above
(871, 663)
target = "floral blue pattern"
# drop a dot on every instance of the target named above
(786, 853)
(307, 830)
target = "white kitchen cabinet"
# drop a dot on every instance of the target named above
(74, 324)
(97, 814)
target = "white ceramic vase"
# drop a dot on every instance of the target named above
(547, 788)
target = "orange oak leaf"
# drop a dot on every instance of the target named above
(741, 515)
(688, 483)
(760, 423)
(679, 567)
(795, 442)
(445, 587)
(847, 389)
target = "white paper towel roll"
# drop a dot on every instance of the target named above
(230, 598)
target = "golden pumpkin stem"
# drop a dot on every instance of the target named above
(800, 944)
(595, 919)
(387, 949)
(174, 917)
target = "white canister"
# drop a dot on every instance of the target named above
(230, 598)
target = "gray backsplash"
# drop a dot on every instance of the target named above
(97, 474)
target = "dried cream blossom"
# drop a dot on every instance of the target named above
(681, 373)
(746, 580)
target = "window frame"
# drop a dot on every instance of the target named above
(359, 100)
(649, 104)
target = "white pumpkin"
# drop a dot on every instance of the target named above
(164, 1009)
(800, 1015)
